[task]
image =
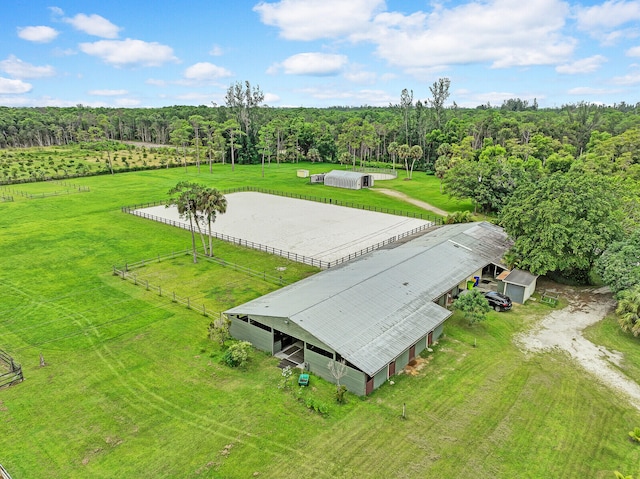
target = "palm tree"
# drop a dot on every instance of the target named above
(184, 197)
(392, 149)
(415, 153)
(628, 310)
(211, 202)
(403, 154)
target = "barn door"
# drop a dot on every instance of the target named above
(430, 339)
(412, 353)
(369, 385)
(392, 368)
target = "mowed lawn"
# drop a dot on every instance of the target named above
(133, 387)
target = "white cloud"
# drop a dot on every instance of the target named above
(633, 52)
(586, 65)
(205, 71)
(586, 90)
(197, 98)
(19, 69)
(107, 92)
(216, 51)
(94, 25)
(130, 52)
(10, 86)
(313, 64)
(356, 74)
(606, 22)
(314, 19)
(608, 15)
(469, 33)
(340, 96)
(127, 102)
(271, 98)
(39, 34)
(156, 82)
(629, 79)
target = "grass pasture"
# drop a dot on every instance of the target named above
(133, 387)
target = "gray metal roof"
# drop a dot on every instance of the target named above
(520, 278)
(372, 309)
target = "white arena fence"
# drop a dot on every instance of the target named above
(433, 220)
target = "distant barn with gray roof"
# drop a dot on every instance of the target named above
(352, 180)
(377, 312)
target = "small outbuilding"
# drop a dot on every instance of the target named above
(352, 180)
(517, 284)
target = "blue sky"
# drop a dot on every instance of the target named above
(317, 52)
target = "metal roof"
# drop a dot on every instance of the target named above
(373, 308)
(520, 278)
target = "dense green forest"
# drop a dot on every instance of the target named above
(564, 182)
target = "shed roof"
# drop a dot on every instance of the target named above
(520, 278)
(372, 309)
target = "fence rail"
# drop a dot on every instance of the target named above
(14, 374)
(125, 272)
(6, 197)
(78, 189)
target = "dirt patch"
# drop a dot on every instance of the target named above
(422, 204)
(562, 329)
(415, 366)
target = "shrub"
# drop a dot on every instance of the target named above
(237, 355)
(635, 434)
(340, 392)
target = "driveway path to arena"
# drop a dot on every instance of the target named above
(413, 201)
(563, 328)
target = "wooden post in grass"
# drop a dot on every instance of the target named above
(404, 410)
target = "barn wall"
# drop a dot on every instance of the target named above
(515, 292)
(402, 361)
(438, 332)
(260, 338)
(354, 381)
(529, 290)
(380, 378)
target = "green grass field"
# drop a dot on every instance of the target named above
(133, 387)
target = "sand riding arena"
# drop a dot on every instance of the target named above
(320, 232)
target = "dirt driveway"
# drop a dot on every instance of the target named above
(563, 328)
(413, 201)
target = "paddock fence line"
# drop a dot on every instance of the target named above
(128, 267)
(6, 198)
(14, 371)
(31, 196)
(128, 273)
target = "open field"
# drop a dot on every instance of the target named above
(134, 388)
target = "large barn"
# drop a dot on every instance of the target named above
(378, 312)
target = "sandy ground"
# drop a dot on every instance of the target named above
(413, 201)
(322, 231)
(563, 328)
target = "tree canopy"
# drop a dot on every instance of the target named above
(562, 222)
